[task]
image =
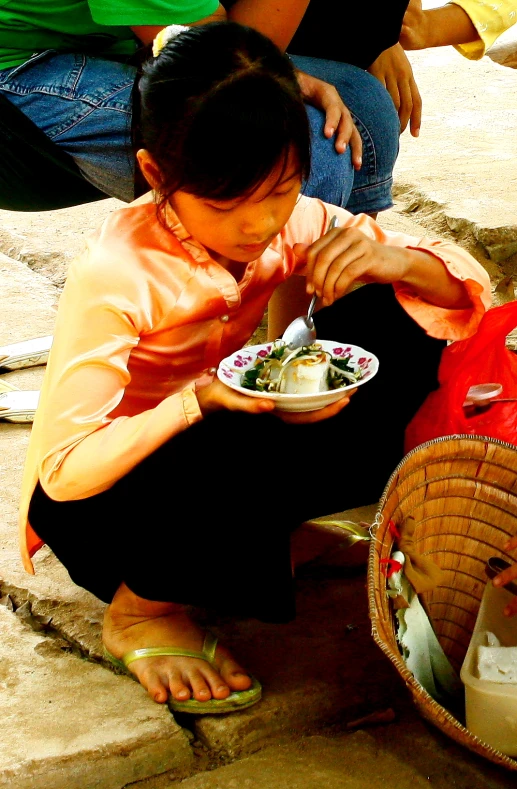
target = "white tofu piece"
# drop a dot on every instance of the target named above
(305, 377)
(498, 664)
(492, 640)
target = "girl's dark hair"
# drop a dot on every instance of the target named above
(220, 109)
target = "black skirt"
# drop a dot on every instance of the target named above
(206, 519)
(354, 33)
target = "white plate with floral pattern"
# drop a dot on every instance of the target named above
(232, 369)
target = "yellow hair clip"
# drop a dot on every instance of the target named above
(165, 35)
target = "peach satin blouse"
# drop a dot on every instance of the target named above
(145, 317)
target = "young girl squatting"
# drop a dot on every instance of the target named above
(144, 471)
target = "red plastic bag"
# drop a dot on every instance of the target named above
(483, 358)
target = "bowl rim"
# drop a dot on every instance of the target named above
(290, 396)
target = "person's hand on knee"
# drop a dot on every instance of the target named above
(338, 120)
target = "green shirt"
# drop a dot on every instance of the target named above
(99, 27)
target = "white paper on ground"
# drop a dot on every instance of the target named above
(27, 353)
(421, 649)
(18, 405)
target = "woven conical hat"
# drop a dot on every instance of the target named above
(462, 492)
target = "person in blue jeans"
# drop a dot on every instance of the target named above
(68, 67)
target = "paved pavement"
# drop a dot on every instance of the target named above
(68, 719)
(463, 163)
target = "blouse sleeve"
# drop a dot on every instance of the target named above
(82, 450)
(490, 19)
(440, 322)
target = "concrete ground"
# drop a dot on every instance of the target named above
(69, 721)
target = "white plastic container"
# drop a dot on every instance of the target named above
(491, 707)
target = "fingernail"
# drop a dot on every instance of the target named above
(507, 611)
(496, 582)
(330, 131)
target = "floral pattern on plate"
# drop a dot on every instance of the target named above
(231, 369)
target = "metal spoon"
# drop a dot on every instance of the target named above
(302, 331)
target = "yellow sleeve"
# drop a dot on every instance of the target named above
(81, 449)
(490, 19)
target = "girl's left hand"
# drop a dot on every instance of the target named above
(506, 576)
(346, 255)
(338, 120)
(309, 417)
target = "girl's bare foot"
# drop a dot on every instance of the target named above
(131, 622)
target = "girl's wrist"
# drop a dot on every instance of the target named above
(202, 399)
(430, 279)
(415, 266)
(405, 262)
(207, 401)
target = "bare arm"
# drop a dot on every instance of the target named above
(431, 280)
(436, 27)
(278, 21)
(147, 33)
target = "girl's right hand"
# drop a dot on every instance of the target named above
(345, 255)
(216, 396)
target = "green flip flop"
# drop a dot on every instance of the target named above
(237, 700)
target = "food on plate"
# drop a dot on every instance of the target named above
(303, 370)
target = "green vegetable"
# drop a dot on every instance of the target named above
(343, 364)
(249, 379)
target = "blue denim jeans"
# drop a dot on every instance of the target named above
(83, 104)
(333, 178)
